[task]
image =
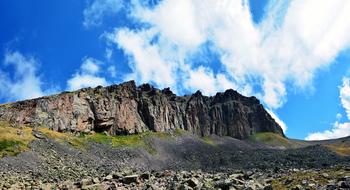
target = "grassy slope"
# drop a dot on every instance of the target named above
(340, 147)
(136, 140)
(275, 140)
(14, 140)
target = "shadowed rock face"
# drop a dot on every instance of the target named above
(127, 109)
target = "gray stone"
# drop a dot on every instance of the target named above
(95, 180)
(193, 182)
(145, 176)
(131, 179)
(108, 178)
(269, 187)
(185, 187)
(344, 184)
(85, 182)
(325, 175)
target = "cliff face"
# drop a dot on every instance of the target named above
(127, 109)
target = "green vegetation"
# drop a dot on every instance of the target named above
(342, 149)
(275, 140)
(209, 141)
(179, 132)
(136, 140)
(124, 140)
(6, 105)
(63, 137)
(14, 140)
(82, 141)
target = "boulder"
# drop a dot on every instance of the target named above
(131, 179)
(193, 182)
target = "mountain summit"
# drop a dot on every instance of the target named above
(128, 109)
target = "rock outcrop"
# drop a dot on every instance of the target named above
(128, 109)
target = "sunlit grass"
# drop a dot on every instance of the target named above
(6, 105)
(275, 140)
(341, 149)
(208, 140)
(14, 140)
(62, 137)
(135, 140)
(83, 140)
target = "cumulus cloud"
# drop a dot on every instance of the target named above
(203, 79)
(293, 41)
(23, 82)
(90, 66)
(339, 129)
(87, 75)
(146, 61)
(98, 9)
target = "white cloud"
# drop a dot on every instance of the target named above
(90, 66)
(98, 9)
(345, 96)
(82, 81)
(108, 54)
(171, 25)
(339, 129)
(203, 79)
(293, 41)
(339, 116)
(278, 120)
(23, 83)
(87, 75)
(112, 71)
(146, 62)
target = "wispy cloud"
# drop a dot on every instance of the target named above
(278, 120)
(339, 129)
(87, 75)
(23, 82)
(289, 46)
(98, 9)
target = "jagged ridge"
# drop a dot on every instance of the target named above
(127, 109)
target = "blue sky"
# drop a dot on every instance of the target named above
(292, 55)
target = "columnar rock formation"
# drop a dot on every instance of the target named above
(127, 109)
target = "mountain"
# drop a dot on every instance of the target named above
(128, 109)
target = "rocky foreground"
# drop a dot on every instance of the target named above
(168, 161)
(334, 178)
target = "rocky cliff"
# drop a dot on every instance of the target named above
(128, 109)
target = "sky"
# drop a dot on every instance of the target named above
(292, 55)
